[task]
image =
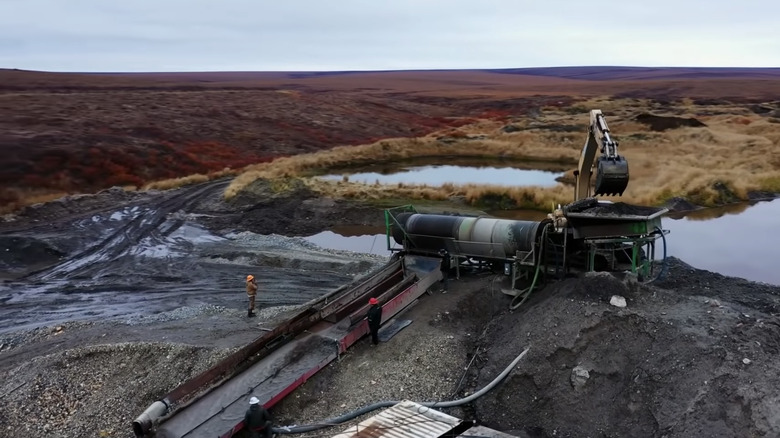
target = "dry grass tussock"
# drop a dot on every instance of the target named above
(478, 195)
(519, 145)
(736, 153)
(15, 199)
(20, 198)
(197, 178)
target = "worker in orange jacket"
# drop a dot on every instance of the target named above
(251, 292)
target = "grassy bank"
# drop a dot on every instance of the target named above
(736, 153)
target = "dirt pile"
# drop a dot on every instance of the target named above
(694, 355)
(294, 211)
(663, 123)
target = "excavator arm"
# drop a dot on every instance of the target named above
(611, 168)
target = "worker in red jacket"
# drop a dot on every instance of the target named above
(374, 318)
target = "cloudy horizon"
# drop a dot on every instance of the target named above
(308, 35)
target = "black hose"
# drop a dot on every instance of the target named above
(289, 430)
(664, 264)
(524, 294)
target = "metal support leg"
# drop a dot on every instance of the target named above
(565, 235)
(591, 258)
(652, 258)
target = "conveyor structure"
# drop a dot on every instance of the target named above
(586, 235)
(213, 403)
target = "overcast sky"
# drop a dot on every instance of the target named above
(316, 35)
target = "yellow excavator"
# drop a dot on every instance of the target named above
(611, 168)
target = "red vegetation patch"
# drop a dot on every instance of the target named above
(81, 133)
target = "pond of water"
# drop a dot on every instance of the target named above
(738, 240)
(457, 171)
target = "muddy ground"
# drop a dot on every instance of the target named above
(692, 354)
(110, 301)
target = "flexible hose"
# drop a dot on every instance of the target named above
(289, 430)
(664, 264)
(525, 293)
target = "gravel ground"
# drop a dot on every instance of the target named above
(95, 390)
(424, 362)
(694, 354)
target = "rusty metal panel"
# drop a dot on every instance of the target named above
(404, 420)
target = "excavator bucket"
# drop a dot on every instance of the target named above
(611, 176)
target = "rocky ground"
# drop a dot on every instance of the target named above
(692, 354)
(111, 301)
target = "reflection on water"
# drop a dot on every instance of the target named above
(738, 241)
(735, 243)
(711, 213)
(375, 243)
(389, 167)
(437, 175)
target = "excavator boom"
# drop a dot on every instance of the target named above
(611, 168)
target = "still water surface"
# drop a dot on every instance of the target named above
(738, 241)
(436, 175)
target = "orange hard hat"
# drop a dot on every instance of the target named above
(250, 277)
(373, 301)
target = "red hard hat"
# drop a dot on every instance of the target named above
(373, 301)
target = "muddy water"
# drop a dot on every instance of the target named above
(739, 240)
(456, 171)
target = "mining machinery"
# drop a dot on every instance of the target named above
(611, 168)
(587, 234)
(584, 235)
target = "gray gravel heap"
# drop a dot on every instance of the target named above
(94, 391)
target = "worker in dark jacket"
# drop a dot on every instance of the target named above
(374, 318)
(257, 420)
(445, 268)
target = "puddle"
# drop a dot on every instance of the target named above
(458, 175)
(371, 240)
(734, 240)
(457, 171)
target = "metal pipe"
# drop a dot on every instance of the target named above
(289, 430)
(144, 422)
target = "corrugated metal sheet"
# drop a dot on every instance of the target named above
(404, 420)
(484, 432)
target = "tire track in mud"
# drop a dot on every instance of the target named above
(151, 257)
(154, 223)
